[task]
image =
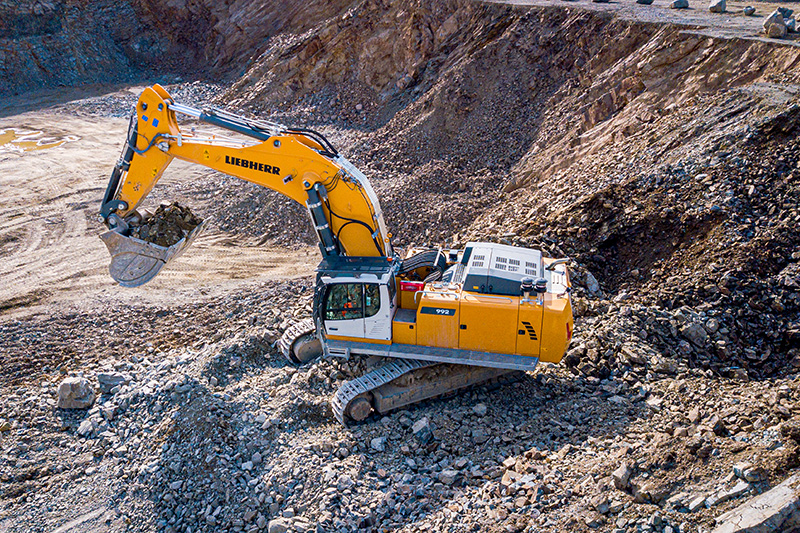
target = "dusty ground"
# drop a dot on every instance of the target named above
(657, 148)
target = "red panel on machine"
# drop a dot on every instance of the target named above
(412, 286)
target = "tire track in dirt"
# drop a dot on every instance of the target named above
(52, 256)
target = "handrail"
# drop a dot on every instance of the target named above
(491, 296)
(552, 266)
(435, 292)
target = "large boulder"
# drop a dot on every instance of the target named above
(75, 393)
(777, 509)
(717, 6)
(777, 31)
(775, 24)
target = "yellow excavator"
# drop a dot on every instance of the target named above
(432, 321)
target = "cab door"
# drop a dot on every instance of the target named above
(377, 312)
(343, 311)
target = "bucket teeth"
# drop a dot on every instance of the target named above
(134, 262)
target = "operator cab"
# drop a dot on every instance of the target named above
(355, 298)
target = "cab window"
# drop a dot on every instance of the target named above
(372, 299)
(344, 302)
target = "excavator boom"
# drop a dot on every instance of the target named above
(298, 163)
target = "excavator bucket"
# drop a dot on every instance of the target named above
(134, 262)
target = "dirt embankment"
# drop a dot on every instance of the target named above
(659, 157)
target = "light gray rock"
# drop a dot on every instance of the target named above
(256, 459)
(679, 4)
(749, 11)
(696, 503)
(480, 409)
(776, 17)
(622, 476)
(378, 444)
(776, 510)
(87, 427)
(344, 482)
(109, 380)
(592, 285)
(448, 476)
(717, 6)
(75, 393)
(422, 430)
(279, 525)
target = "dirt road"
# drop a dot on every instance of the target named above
(53, 171)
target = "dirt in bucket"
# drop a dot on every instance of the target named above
(168, 225)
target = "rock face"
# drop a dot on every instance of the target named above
(717, 6)
(679, 4)
(75, 393)
(776, 510)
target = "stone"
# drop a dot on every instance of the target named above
(696, 503)
(776, 17)
(644, 2)
(717, 6)
(694, 415)
(279, 525)
(256, 459)
(378, 444)
(749, 11)
(109, 380)
(480, 409)
(247, 465)
(5, 425)
(748, 472)
(776, 31)
(648, 493)
(592, 285)
(696, 334)
(774, 510)
(87, 427)
(344, 482)
(737, 490)
(75, 393)
(791, 25)
(786, 12)
(600, 503)
(479, 436)
(679, 4)
(622, 476)
(717, 425)
(448, 476)
(422, 430)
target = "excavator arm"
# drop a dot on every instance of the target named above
(298, 163)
